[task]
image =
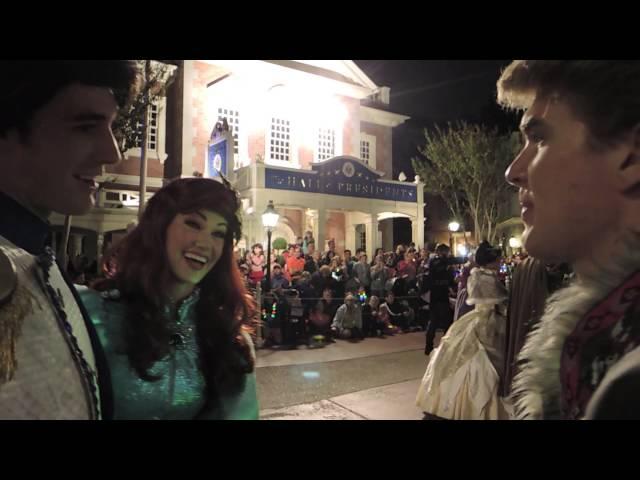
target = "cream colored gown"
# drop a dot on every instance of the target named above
(463, 374)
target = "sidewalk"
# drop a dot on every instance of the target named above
(341, 350)
(375, 379)
(390, 402)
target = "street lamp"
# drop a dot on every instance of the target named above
(515, 244)
(269, 220)
(453, 227)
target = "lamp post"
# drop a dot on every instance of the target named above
(269, 220)
(453, 227)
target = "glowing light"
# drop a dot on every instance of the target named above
(454, 226)
(310, 374)
(270, 216)
(308, 112)
(515, 242)
(462, 250)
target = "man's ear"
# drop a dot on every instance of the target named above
(629, 169)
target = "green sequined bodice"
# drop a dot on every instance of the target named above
(179, 392)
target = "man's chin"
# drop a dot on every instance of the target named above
(541, 247)
(533, 245)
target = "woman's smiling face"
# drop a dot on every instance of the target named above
(194, 245)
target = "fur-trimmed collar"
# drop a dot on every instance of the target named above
(537, 389)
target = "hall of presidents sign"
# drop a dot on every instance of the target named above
(340, 176)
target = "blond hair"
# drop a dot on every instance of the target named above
(604, 94)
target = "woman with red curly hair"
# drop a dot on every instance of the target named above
(175, 319)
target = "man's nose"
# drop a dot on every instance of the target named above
(516, 173)
(109, 150)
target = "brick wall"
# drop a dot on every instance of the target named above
(352, 106)
(383, 146)
(335, 229)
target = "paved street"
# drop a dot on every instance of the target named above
(376, 379)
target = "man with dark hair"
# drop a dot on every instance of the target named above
(278, 279)
(439, 281)
(348, 263)
(578, 175)
(330, 253)
(55, 138)
(362, 271)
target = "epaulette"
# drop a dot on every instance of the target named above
(8, 278)
(15, 305)
(10, 324)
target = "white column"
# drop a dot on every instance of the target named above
(371, 233)
(414, 231)
(320, 226)
(387, 235)
(187, 118)
(349, 233)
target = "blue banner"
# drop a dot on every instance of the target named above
(340, 177)
(217, 158)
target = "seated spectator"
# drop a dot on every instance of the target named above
(307, 292)
(372, 322)
(322, 279)
(395, 313)
(278, 279)
(275, 318)
(321, 317)
(347, 322)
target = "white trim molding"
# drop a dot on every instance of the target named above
(381, 117)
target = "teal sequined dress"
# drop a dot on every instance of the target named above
(179, 394)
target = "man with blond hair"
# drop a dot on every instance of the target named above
(578, 176)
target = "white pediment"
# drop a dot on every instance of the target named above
(346, 68)
(341, 77)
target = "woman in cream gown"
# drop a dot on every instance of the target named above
(463, 374)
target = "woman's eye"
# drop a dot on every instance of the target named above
(219, 234)
(192, 224)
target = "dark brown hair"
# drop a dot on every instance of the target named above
(28, 85)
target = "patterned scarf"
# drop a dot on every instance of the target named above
(602, 337)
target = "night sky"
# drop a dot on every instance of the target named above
(434, 92)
